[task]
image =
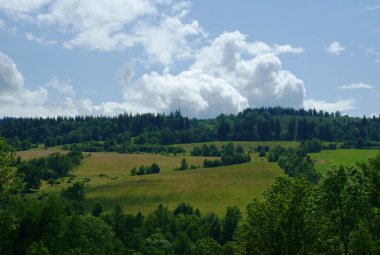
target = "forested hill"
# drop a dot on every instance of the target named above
(252, 124)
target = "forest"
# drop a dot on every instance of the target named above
(302, 211)
(127, 132)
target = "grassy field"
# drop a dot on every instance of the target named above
(38, 153)
(325, 158)
(211, 189)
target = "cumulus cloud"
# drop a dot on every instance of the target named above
(335, 48)
(13, 95)
(112, 25)
(167, 39)
(354, 86)
(226, 74)
(16, 100)
(221, 80)
(340, 105)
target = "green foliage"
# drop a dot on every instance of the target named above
(206, 151)
(50, 226)
(260, 124)
(184, 165)
(281, 223)
(114, 146)
(184, 209)
(207, 246)
(74, 192)
(48, 168)
(11, 182)
(90, 235)
(311, 146)
(295, 162)
(230, 223)
(153, 169)
(229, 156)
(345, 203)
(97, 209)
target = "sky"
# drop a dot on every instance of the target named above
(106, 57)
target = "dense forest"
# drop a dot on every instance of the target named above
(338, 213)
(126, 132)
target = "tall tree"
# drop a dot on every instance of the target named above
(10, 181)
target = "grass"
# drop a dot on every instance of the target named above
(326, 158)
(211, 189)
(38, 153)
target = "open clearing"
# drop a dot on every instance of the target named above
(211, 189)
(326, 158)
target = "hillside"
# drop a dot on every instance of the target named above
(211, 189)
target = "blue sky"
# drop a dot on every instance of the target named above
(72, 57)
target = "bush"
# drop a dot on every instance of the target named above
(153, 169)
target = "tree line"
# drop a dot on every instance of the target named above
(259, 124)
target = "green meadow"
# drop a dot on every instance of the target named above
(326, 158)
(209, 189)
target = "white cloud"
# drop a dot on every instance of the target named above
(278, 49)
(85, 106)
(340, 105)
(61, 87)
(13, 96)
(194, 92)
(220, 80)
(227, 74)
(112, 25)
(16, 100)
(354, 86)
(374, 8)
(22, 6)
(39, 40)
(335, 48)
(168, 39)
(11, 80)
(2, 24)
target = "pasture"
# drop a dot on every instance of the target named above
(209, 189)
(326, 158)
